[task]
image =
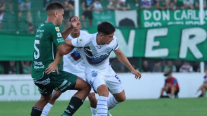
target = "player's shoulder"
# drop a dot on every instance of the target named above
(50, 26)
(114, 42)
(115, 38)
(89, 36)
(83, 33)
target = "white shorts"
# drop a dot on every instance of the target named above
(71, 69)
(110, 79)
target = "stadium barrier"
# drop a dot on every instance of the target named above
(21, 87)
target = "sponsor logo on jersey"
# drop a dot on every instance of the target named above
(80, 40)
(94, 73)
(40, 31)
(60, 40)
(108, 50)
(59, 35)
(57, 28)
(39, 36)
(99, 47)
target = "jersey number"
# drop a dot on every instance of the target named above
(37, 53)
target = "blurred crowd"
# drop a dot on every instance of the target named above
(141, 64)
(157, 65)
(15, 67)
(89, 6)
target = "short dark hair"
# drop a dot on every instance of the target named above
(106, 28)
(168, 73)
(54, 6)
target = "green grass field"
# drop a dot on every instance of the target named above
(156, 107)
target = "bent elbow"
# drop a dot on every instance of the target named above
(63, 51)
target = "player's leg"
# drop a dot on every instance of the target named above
(39, 105)
(93, 102)
(77, 100)
(116, 88)
(162, 91)
(45, 92)
(49, 105)
(97, 82)
(173, 89)
(202, 88)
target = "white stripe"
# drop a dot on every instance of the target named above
(52, 51)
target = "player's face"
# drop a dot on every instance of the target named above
(77, 29)
(108, 38)
(59, 17)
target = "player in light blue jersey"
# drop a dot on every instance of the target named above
(95, 50)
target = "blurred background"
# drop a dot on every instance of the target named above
(19, 20)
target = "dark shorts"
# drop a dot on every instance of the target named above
(176, 92)
(88, 14)
(54, 81)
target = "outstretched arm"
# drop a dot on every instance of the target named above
(73, 24)
(123, 59)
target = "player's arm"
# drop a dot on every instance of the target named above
(54, 65)
(78, 42)
(67, 32)
(123, 59)
(73, 24)
(62, 50)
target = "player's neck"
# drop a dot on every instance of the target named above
(49, 19)
(75, 35)
(98, 40)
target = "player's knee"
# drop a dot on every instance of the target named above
(121, 99)
(87, 87)
(92, 97)
(45, 99)
(56, 95)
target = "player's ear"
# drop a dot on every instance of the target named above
(55, 13)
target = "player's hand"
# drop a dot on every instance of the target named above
(74, 21)
(52, 67)
(136, 73)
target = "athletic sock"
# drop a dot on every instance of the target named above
(46, 109)
(93, 111)
(73, 106)
(36, 111)
(102, 108)
(111, 102)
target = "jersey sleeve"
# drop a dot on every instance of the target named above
(80, 42)
(116, 45)
(175, 81)
(57, 36)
